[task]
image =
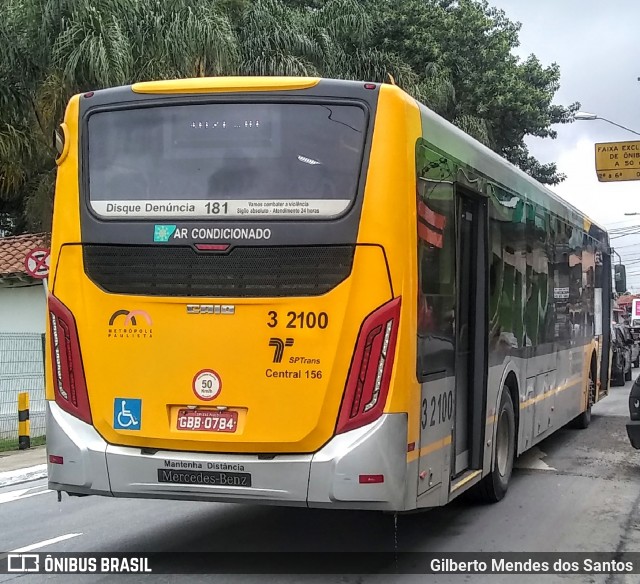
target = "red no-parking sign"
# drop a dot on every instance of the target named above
(37, 263)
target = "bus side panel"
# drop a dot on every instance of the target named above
(605, 284)
(389, 219)
(543, 275)
(66, 215)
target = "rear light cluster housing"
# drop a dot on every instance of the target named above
(369, 377)
(70, 388)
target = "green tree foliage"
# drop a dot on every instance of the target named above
(462, 51)
(453, 55)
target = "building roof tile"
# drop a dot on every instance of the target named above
(13, 251)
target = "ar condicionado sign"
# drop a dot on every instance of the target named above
(617, 161)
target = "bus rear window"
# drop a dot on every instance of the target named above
(225, 160)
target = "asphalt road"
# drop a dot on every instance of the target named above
(576, 491)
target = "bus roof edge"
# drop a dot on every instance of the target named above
(225, 84)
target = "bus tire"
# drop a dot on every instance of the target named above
(494, 486)
(582, 421)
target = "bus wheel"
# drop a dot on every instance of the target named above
(494, 486)
(582, 421)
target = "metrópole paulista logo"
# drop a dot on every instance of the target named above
(130, 324)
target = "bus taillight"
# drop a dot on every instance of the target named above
(68, 374)
(368, 382)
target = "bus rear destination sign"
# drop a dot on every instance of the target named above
(618, 161)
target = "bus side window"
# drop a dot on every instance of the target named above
(436, 278)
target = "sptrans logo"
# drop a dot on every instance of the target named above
(130, 324)
(279, 345)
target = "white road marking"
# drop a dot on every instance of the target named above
(20, 494)
(12, 495)
(532, 460)
(46, 542)
(34, 494)
(21, 475)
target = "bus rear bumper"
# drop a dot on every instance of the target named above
(362, 469)
(82, 452)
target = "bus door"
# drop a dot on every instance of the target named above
(452, 342)
(470, 334)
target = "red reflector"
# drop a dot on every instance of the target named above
(53, 459)
(411, 447)
(370, 479)
(89, 94)
(369, 85)
(212, 247)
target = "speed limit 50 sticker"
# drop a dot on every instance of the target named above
(207, 384)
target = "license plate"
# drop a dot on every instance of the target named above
(207, 420)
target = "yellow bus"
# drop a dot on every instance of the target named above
(309, 292)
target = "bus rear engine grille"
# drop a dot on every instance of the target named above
(243, 272)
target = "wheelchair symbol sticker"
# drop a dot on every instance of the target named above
(127, 413)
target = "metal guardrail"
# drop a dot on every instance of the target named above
(21, 370)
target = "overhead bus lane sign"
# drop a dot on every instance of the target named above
(618, 161)
(618, 175)
(37, 263)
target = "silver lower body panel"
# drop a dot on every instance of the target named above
(327, 478)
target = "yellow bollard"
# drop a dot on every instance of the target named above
(24, 425)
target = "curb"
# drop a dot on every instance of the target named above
(23, 475)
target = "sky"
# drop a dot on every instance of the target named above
(595, 44)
